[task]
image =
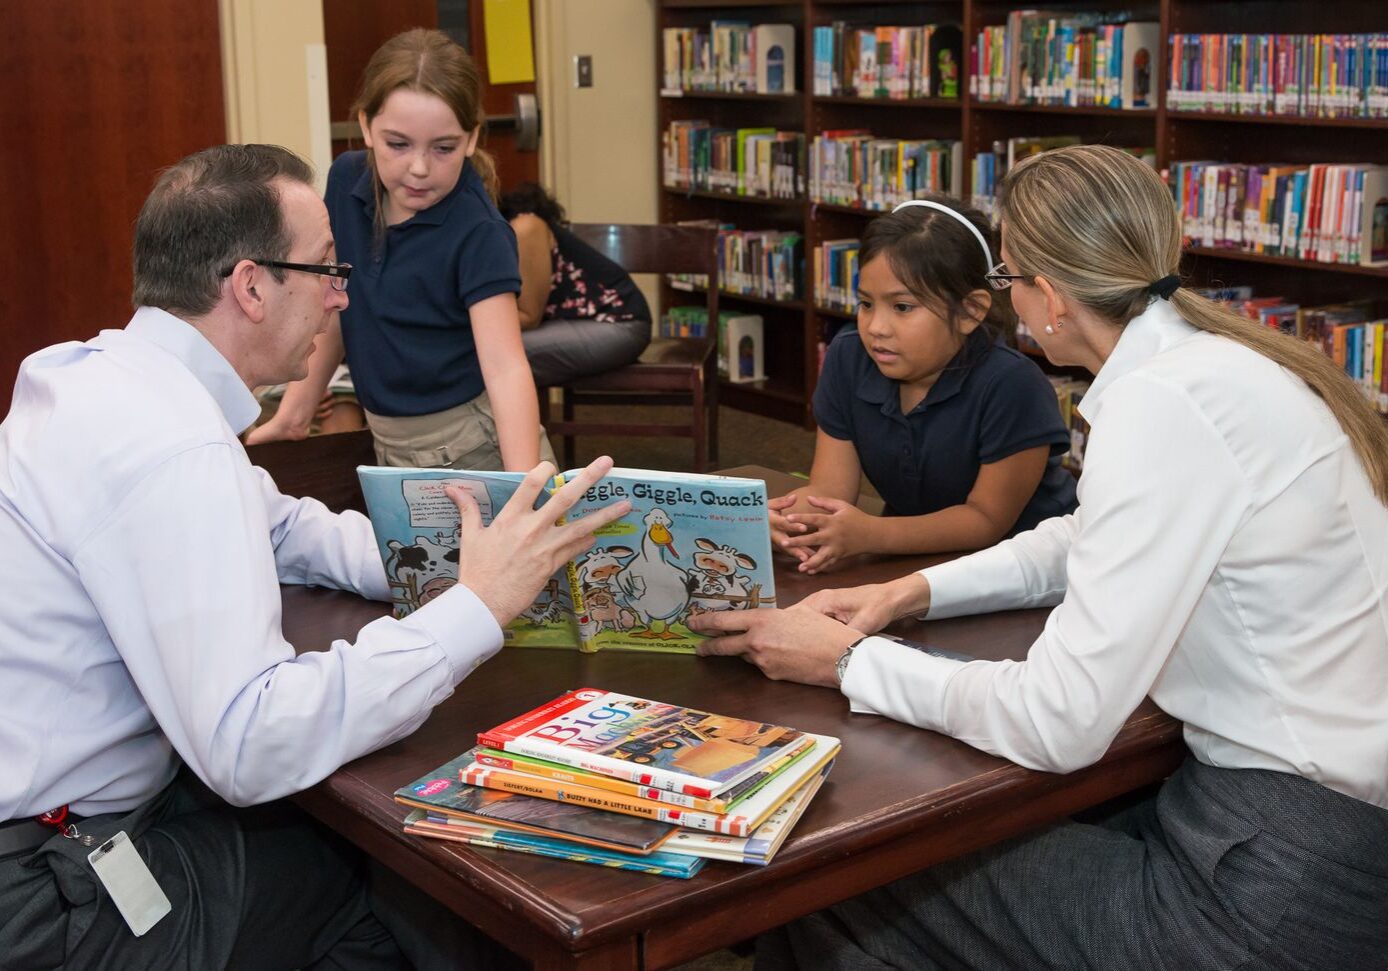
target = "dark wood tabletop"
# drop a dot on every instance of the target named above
(899, 798)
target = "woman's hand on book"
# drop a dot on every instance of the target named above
(507, 563)
(839, 530)
(787, 645)
(872, 606)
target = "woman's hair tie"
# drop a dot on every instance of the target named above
(1165, 287)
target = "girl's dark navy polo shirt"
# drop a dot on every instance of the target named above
(989, 402)
(406, 329)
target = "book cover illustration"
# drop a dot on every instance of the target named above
(692, 543)
(441, 792)
(658, 863)
(647, 742)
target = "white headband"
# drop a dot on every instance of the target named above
(953, 214)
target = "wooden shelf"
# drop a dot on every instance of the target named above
(744, 297)
(730, 197)
(1380, 124)
(848, 210)
(1287, 261)
(729, 96)
(847, 99)
(775, 399)
(819, 308)
(1081, 110)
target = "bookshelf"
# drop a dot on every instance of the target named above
(794, 329)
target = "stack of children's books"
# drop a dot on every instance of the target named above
(607, 778)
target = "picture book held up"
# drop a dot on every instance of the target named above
(691, 544)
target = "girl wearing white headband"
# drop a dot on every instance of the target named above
(957, 432)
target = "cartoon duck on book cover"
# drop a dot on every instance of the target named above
(691, 544)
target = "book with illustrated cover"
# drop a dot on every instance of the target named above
(759, 847)
(441, 793)
(691, 544)
(657, 862)
(646, 742)
(739, 821)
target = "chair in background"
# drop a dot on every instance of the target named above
(323, 467)
(671, 371)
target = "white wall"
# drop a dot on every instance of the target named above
(275, 77)
(598, 152)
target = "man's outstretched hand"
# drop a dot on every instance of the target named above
(507, 563)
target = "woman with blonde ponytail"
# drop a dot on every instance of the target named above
(1228, 559)
(432, 333)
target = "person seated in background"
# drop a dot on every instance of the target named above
(580, 313)
(146, 683)
(958, 433)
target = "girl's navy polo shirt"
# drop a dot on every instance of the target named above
(989, 402)
(406, 329)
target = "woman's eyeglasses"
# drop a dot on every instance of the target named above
(999, 279)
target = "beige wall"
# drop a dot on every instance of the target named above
(598, 150)
(275, 71)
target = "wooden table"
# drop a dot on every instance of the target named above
(899, 798)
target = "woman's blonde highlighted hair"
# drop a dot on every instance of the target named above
(1102, 227)
(429, 62)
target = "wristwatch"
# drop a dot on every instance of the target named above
(841, 665)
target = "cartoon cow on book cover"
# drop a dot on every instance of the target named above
(715, 582)
(420, 571)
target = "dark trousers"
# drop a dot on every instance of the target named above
(1222, 869)
(250, 888)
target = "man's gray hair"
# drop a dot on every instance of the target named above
(205, 213)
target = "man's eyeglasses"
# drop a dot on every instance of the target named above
(999, 279)
(337, 272)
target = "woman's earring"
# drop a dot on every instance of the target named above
(1049, 329)
(1058, 324)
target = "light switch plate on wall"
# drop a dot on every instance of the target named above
(583, 71)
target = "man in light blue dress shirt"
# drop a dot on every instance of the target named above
(142, 662)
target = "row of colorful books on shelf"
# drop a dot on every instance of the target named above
(619, 781)
(1314, 75)
(741, 339)
(1069, 392)
(836, 274)
(988, 169)
(887, 62)
(1352, 334)
(729, 55)
(763, 263)
(854, 168)
(740, 161)
(1328, 213)
(1070, 59)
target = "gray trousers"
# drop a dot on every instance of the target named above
(258, 888)
(561, 351)
(1222, 869)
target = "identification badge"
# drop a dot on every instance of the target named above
(126, 877)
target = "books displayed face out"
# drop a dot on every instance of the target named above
(587, 800)
(691, 544)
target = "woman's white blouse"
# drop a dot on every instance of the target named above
(1228, 558)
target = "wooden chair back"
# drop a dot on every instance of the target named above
(323, 467)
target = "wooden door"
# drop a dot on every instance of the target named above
(98, 98)
(353, 29)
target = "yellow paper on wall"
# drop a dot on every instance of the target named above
(510, 52)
